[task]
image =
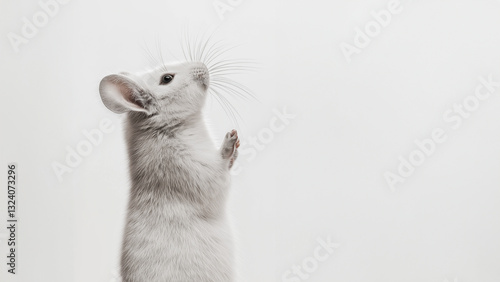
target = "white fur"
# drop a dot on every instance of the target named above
(176, 226)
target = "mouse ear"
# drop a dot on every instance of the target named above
(117, 93)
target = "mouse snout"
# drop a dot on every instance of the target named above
(200, 73)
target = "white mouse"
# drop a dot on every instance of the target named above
(176, 227)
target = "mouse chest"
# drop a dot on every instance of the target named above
(183, 159)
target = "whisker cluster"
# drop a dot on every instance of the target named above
(203, 48)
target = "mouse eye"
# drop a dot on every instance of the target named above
(165, 79)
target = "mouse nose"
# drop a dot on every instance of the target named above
(200, 73)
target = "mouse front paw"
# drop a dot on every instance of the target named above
(229, 148)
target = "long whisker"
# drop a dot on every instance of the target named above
(228, 89)
(236, 115)
(223, 63)
(207, 41)
(183, 47)
(171, 54)
(230, 109)
(216, 96)
(212, 51)
(204, 48)
(219, 51)
(195, 46)
(231, 70)
(186, 42)
(152, 60)
(225, 106)
(160, 54)
(228, 70)
(190, 48)
(223, 87)
(234, 85)
(201, 46)
(186, 47)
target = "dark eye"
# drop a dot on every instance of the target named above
(165, 79)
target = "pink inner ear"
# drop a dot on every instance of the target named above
(127, 93)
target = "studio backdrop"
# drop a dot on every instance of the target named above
(369, 134)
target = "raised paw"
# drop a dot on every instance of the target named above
(229, 148)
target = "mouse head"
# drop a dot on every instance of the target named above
(171, 92)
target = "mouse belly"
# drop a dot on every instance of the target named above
(177, 250)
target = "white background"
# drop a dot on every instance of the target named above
(321, 176)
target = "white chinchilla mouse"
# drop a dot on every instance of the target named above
(176, 227)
